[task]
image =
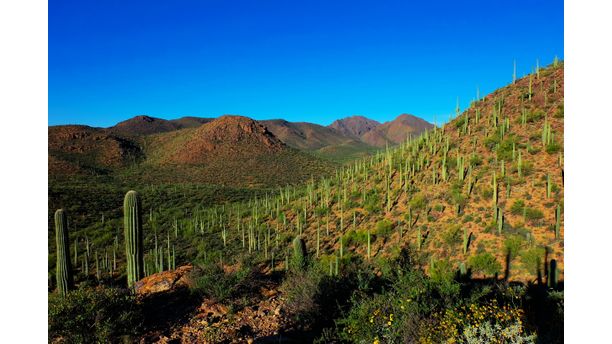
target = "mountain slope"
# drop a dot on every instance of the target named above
(231, 150)
(143, 125)
(303, 135)
(484, 191)
(190, 121)
(79, 149)
(396, 131)
(354, 126)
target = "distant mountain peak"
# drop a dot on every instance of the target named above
(354, 126)
(142, 125)
(396, 131)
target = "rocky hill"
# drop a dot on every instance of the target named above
(84, 150)
(396, 131)
(143, 125)
(303, 135)
(354, 126)
(484, 192)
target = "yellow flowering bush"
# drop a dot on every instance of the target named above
(450, 325)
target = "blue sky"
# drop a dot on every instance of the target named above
(312, 61)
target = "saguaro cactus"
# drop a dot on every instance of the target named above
(132, 219)
(299, 253)
(466, 240)
(558, 222)
(63, 269)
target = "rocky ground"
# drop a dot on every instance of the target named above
(177, 316)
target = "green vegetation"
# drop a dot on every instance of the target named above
(99, 315)
(484, 263)
(384, 228)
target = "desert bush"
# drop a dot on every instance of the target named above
(517, 207)
(89, 315)
(504, 150)
(313, 298)
(488, 333)
(533, 215)
(532, 259)
(395, 316)
(535, 115)
(300, 290)
(418, 202)
(212, 281)
(559, 112)
(486, 322)
(384, 227)
(484, 263)
(512, 245)
(553, 148)
(359, 237)
(372, 203)
(452, 235)
(475, 160)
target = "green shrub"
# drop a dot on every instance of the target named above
(384, 227)
(491, 141)
(319, 211)
(504, 150)
(359, 237)
(532, 259)
(394, 316)
(512, 245)
(452, 235)
(475, 160)
(442, 273)
(533, 215)
(484, 263)
(210, 280)
(460, 122)
(418, 202)
(468, 218)
(487, 192)
(301, 290)
(517, 207)
(372, 203)
(535, 115)
(553, 148)
(88, 315)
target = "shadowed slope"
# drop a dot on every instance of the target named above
(83, 149)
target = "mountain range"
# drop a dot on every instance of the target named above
(230, 149)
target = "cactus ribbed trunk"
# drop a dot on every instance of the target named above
(63, 269)
(133, 237)
(299, 253)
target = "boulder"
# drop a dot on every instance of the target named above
(164, 281)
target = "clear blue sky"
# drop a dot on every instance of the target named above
(312, 61)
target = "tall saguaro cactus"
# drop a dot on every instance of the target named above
(63, 269)
(132, 219)
(299, 253)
